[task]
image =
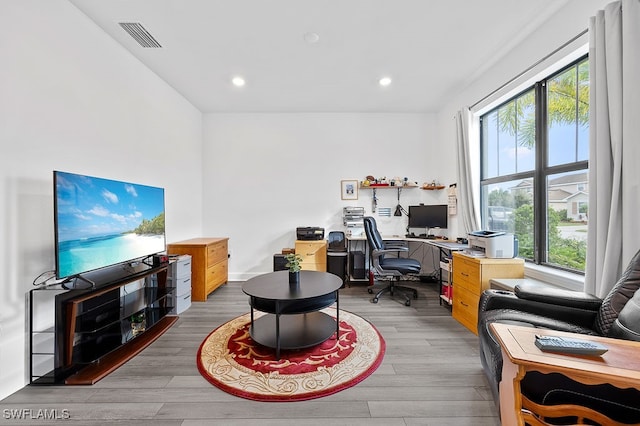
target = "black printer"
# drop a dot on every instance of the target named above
(309, 233)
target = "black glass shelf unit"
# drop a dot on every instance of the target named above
(79, 335)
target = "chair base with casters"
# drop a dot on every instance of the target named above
(384, 265)
(407, 292)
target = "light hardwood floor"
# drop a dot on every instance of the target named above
(431, 375)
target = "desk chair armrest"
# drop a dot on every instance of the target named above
(378, 253)
(400, 245)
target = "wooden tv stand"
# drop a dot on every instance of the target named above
(97, 329)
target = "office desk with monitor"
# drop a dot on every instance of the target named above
(421, 249)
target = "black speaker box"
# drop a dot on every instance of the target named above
(357, 265)
(337, 265)
(279, 262)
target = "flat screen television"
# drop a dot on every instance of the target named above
(428, 216)
(101, 222)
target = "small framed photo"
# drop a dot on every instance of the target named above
(349, 189)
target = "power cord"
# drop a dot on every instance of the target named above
(48, 274)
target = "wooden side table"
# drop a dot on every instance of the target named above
(619, 366)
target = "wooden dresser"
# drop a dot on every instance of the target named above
(209, 264)
(471, 277)
(313, 253)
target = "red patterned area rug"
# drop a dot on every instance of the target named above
(229, 359)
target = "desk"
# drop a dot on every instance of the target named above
(620, 367)
(302, 325)
(445, 249)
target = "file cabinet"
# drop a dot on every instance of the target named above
(313, 253)
(471, 277)
(209, 263)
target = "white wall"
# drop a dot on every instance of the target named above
(72, 99)
(266, 174)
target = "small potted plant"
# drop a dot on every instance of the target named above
(138, 323)
(293, 263)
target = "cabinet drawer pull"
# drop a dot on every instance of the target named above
(464, 304)
(464, 274)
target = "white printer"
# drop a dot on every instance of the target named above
(494, 244)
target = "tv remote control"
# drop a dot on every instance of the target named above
(569, 346)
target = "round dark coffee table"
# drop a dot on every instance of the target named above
(292, 319)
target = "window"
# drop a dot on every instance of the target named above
(534, 180)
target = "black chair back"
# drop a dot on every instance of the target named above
(624, 289)
(373, 236)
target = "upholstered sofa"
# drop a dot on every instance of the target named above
(615, 316)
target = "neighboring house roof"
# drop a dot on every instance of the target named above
(558, 195)
(577, 194)
(561, 180)
(567, 179)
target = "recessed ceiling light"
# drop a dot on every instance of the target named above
(385, 81)
(311, 38)
(238, 81)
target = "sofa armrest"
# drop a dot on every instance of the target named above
(501, 299)
(557, 296)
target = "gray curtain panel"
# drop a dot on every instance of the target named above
(467, 204)
(614, 172)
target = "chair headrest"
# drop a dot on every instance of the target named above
(373, 236)
(619, 296)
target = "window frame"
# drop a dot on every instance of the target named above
(542, 170)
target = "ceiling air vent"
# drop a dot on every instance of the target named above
(140, 34)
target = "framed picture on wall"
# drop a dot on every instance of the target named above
(349, 189)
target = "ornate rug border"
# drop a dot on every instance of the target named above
(298, 397)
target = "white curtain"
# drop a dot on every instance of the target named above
(614, 156)
(467, 207)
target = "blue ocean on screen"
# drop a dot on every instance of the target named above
(93, 253)
(101, 222)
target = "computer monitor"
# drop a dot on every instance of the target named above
(428, 216)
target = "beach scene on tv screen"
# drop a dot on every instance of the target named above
(101, 222)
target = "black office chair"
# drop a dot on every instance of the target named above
(385, 266)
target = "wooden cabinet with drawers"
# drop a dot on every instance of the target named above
(471, 277)
(313, 253)
(209, 264)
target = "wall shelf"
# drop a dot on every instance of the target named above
(378, 186)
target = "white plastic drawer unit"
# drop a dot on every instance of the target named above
(183, 285)
(182, 266)
(183, 302)
(180, 277)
